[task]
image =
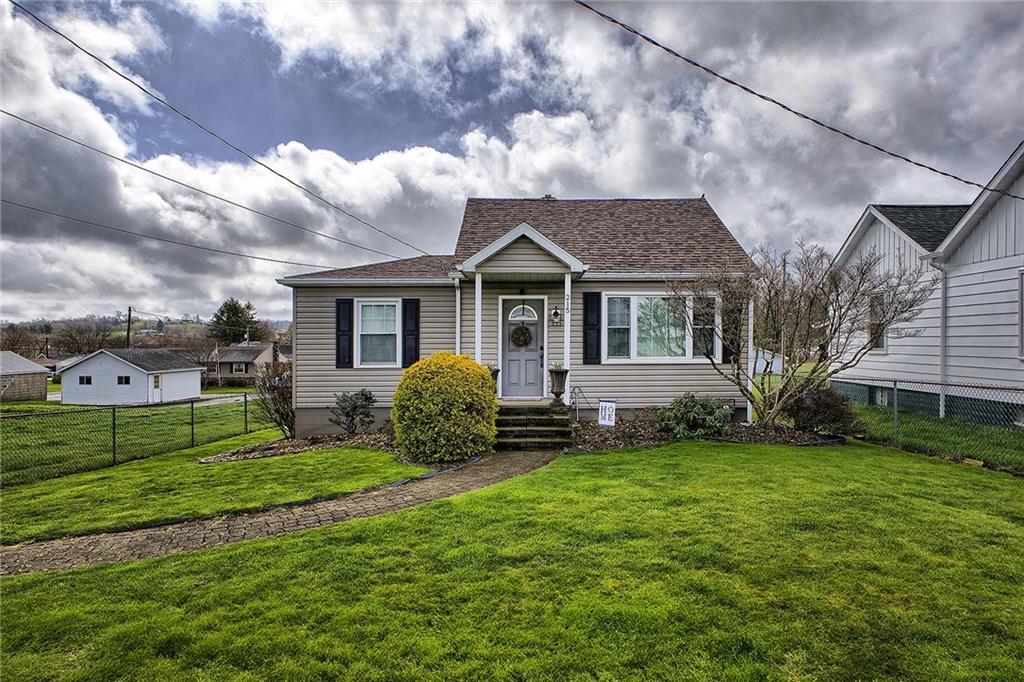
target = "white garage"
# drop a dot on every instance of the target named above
(123, 376)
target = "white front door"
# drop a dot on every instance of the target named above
(157, 391)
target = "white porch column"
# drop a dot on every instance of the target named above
(567, 332)
(478, 317)
(458, 318)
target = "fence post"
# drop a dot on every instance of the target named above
(245, 410)
(895, 414)
(113, 435)
(192, 406)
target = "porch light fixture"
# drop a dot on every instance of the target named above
(556, 317)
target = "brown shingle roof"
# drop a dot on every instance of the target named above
(608, 235)
(419, 266)
(611, 235)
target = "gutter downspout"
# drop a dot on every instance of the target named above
(458, 318)
(943, 314)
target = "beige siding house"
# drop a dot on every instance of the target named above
(532, 284)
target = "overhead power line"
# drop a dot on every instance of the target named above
(192, 187)
(161, 239)
(214, 134)
(771, 100)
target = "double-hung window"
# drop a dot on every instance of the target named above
(238, 368)
(377, 330)
(876, 331)
(644, 328)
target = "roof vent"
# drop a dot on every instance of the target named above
(548, 197)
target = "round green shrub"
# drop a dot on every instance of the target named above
(445, 410)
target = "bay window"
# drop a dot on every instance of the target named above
(656, 328)
(377, 333)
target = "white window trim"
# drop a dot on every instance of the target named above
(357, 333)
(1020, 314)
(236, 364)
(634, 358)
(127, 377)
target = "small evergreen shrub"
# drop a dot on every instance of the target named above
(353, 411)
(692, 416)
(826, 411)
(445, 410)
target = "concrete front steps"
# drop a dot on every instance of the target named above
(533, 426)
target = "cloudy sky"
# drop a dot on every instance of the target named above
(398, 112)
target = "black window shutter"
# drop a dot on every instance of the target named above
(343, 332)
(591, 327)
(410, 331)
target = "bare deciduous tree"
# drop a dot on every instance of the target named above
(79, 338)
(822, 319)
(20, 339)
(274, 396)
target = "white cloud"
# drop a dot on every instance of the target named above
(630, 122)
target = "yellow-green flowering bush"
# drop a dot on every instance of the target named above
(445, 410)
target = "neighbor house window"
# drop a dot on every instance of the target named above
(1020, 314)
(875, 328)
(238, 368)
(85, 380)
(645, 328)
(377, 330)
(124, 380)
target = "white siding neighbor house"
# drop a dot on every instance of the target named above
(586, 279)
(118, 376)
(971, 330)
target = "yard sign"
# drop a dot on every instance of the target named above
(606, 412)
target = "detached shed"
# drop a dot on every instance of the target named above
(20, 378)
(119, 376)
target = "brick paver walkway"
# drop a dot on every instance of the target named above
(104, 548)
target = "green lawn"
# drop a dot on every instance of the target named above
(695, 561)
(950, 437)
(228, 390)
(32, 406)
(56, 441)
(173, 487)
(52, 387)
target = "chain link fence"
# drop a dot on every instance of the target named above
(959, 421)
(40, 445)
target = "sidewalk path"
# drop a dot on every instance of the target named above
(105, 548)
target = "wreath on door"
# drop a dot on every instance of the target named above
(521, 336)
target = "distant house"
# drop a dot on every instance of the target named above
(971, 331)
(767, 362)
(241, 360)
(56, 362)
(119, 376)
(21, 378)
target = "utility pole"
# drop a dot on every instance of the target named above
(246, 336)
(128, 331)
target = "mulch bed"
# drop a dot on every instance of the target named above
(379, 440)
(778, 435)
(638, 432)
